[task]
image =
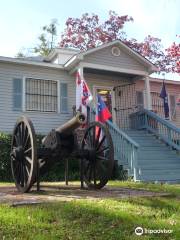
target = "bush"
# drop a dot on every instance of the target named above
(55, 173)
(119, 173)
(5, 165)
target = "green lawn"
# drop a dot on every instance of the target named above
(96, 219)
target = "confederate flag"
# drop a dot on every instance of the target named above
(83, 94)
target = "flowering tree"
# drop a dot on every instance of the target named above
(88, 32)
(173, 57)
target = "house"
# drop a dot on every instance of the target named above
(44, 90)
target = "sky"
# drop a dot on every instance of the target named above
(21, 21)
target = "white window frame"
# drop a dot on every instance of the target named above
(95, 87)
(24, 95)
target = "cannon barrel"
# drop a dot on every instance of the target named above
(65, 130)
(72, 124)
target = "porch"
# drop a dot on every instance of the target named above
(120, 93)
(145, 144)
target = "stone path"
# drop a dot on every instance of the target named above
(50, 193)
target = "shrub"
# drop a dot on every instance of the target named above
(55, 173)
(5, 166)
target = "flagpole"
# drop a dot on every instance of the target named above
(163, 74)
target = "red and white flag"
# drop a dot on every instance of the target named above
(83, 94)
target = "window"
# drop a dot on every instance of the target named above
(64, 98)
(140, 99)
(172, 99)
(41, 95)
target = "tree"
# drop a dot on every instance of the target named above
(87, 32)
(20, 55)
(151, 48)
(173, 57)
(47, 39)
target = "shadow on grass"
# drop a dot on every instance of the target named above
(105, 219)
(108, 218)
(76, 220)
(168, 203)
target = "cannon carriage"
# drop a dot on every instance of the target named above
(95, 152)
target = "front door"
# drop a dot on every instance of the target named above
(107, 96)
(126, 104)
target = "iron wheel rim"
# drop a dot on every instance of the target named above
(24, 154)
(99, 166)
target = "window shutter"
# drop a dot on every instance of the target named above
(17, 94)
(63, 97)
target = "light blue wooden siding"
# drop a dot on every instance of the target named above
(43, 122)
(105, 57)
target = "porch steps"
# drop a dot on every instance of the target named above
(156, 162)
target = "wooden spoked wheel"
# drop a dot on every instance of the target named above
(24, 154)
(99, 162)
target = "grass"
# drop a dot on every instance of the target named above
(173, 189)
(103, 219)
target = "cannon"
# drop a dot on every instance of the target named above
(95, 152)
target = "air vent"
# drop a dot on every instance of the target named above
(115, 51)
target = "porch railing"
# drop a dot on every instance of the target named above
(125, 149)
(163, 129)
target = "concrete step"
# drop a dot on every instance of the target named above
(157, 154)
(162, 172)
(156, 160)
(169, 177)
(162, 148)
(160, 166)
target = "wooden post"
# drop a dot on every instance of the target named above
(88, 115)
(82, 173)
(38, 176)
(148, 93)
(66, 171)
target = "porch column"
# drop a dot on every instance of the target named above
(81, 72)
(148, 104)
